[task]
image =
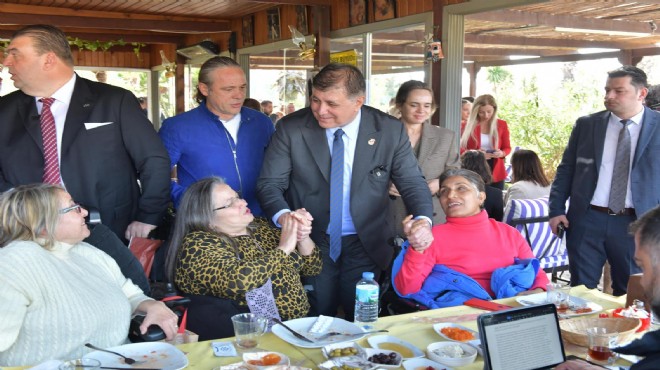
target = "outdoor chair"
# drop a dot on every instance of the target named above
(530, 217)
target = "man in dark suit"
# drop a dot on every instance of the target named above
(104, 143)
(589, 174)
(376, 150)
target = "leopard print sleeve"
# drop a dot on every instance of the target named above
(209, 265)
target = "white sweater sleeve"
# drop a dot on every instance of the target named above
(133, 292)
(13, 307)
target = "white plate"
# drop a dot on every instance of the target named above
(375, 342)
(477, 344)
(422, 363)
(303, 325)
(439, 326)
(540, 298)
(154, 354)
(374, 351)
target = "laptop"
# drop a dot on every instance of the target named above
(521, 338)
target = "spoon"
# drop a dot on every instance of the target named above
(128, 360)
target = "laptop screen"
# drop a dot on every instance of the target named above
(521, 338)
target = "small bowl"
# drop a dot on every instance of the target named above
(251, 356)
(468, 357)
(375, 351)
(330, 347)
(422, 363)
(646, 323)
(439, 326)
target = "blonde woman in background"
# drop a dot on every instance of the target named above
(488, 134)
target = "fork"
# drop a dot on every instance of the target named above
(128, 360)
(334, 333)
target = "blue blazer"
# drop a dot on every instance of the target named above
(577, 174)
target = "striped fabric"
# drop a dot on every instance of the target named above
(530, 218)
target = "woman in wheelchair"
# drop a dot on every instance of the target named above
(471, 256)
(221, 256)
(56, 292)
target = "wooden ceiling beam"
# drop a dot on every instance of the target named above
(539, 42)
(559, 20)
(12, 14)
(163, 25)
(296, 2)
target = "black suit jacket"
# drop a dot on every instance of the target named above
(577, 174)
(296, 173)
(100, 166)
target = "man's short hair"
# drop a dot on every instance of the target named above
(207, 68)
(637, 76)
(340, 75)
(266, 102)
(47, 38)
(648, 229)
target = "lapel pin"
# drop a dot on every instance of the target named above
(86, 105)
(371, 141)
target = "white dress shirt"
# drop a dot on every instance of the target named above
(602, 193)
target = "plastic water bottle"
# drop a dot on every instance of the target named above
(366, 299)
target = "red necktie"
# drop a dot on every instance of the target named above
(49, 136)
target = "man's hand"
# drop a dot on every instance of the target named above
(555, 221)
(304, 220)
(418, 233)
(289, 235)
(138, 229)
(393, 191)
(434, 186)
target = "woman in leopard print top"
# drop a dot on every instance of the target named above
(219, 249)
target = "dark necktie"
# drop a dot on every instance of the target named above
(621, 170)
(336, 194)
(49, 137)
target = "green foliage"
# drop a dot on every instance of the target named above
(544, 124)
(289, 85)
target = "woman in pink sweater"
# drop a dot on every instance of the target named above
(469, 243)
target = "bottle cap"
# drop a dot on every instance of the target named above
(368, 275)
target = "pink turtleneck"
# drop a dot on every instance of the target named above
(474, 246)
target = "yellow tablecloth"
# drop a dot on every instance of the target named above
(416, 328)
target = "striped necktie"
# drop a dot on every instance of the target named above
(621, 170)
(49, 137)
(336, 194)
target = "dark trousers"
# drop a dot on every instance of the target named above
(335, 285)
(601, 237)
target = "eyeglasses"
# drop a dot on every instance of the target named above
(232, 202)
(76, 207)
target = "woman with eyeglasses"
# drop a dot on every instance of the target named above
(221, 255)
(56, 292)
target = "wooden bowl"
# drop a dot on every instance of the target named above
(575, 330)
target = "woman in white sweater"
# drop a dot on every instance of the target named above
(529, 180)
(56, 292)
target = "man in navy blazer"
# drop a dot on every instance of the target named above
(595, 233)
(296, 174)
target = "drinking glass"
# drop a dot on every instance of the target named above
(601, 341)
(248, 328)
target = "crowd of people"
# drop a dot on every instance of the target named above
(294, 213)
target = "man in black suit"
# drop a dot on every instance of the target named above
(297, 174)
(104, 141)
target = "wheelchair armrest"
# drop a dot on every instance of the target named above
(154, 332)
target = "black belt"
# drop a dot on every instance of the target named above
(623, 212)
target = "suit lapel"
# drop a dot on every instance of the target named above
(649, 125)
(365, 148)
(600, 129)
(27, 112)
(82, 102)
(427, 143)
(317, 144)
